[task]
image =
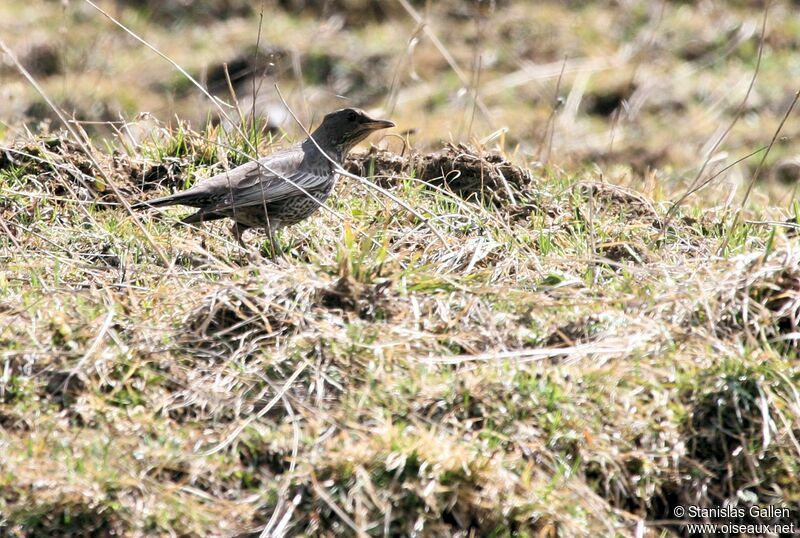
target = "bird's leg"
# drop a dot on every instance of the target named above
(238, 233)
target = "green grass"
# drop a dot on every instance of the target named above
(524, 375)
(575, 362)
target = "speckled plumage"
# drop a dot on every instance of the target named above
(282, 189)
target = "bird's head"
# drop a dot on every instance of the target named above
(341, 130)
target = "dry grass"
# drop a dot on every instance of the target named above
(536, 350)
(577, 370)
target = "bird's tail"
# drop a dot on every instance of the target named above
(172, 199)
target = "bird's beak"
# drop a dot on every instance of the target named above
(374, 125)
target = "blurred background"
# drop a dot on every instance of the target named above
(646, 91)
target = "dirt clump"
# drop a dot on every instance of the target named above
(724, 436)
(623, 252)
(265, 61)
(57, 165)
(64, 386)
(787, 171)
(43, 59)
(382, 165)
(615, 199)
(64, 169)
(471, 174)
(358, 12)
(92, 112)
(147, 176)
(604, 102)
(368, 302)
(168, 12)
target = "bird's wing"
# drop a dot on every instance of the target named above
(267, 180)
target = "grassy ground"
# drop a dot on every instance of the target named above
(540, 349)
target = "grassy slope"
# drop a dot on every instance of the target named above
(569, 363)
(573, 368)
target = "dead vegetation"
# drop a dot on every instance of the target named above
(354, 388)
(538, 349)
(763, 301)
(47, 163)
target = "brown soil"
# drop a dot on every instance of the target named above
(623, 252)
(171, 11)
(369, 302)
(616, 199)
(43, 59)
(62, 168)
(472, 174)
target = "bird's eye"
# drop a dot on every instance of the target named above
(351, 116)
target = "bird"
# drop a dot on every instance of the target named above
(281, 189)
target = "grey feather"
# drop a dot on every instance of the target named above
(281, 189)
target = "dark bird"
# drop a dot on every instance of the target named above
(282, 189)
